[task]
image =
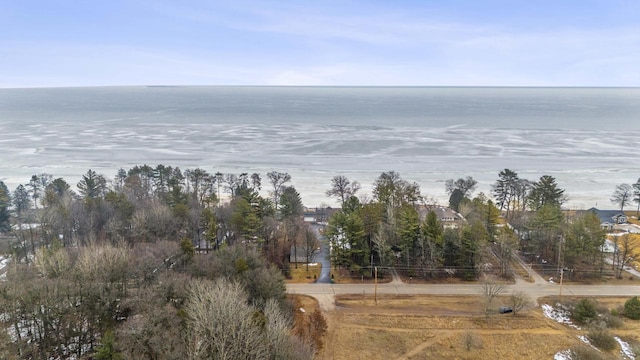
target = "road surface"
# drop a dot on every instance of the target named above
(322, 257)
(533, 290)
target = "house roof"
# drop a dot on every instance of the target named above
(606, 216)
(442, 213)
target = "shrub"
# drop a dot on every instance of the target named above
(470, 341)
(615, 312)
(612, 321)
(584, 352)
(632, 308)
(585, 311)
(601, 338)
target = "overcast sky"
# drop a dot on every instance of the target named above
(264, 42)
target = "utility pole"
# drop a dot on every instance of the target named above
(560, 268)
(375, 281)
(560, 294)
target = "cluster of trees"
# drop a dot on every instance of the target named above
(148, 203)
(396, 228)
(131, 266)
(148, 300)
(533, 208)
(625, 194)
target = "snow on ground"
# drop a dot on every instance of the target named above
(586, 340)
(558, 315)
(625, 349)
(563, 355)
(3, 264)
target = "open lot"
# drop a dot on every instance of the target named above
(447, 327)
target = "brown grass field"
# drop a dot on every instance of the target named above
(302, 275)
(447, 327)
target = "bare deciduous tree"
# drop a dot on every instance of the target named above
(490, 291)
(342, 188)
(309, 246)
(624, 253)
(622, 195)
(220, 324)
(519, 301)
(277, 180)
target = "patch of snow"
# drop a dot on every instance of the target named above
(3, 262)
(559, 315)
(563, 355)
(625, 349)
(586, 340)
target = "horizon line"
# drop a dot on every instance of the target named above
(325, 86)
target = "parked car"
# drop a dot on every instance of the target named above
(505, 310)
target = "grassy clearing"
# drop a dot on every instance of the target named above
(447, 327)
(302, 275)
(309, 323)
(632, 217)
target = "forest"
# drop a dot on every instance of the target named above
(163, 263)
(152, 264)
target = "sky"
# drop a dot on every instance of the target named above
(343, 42)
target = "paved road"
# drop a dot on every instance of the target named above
(322, 257)
(535, 290)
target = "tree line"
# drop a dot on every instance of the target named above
(147, 203)
(398, 227)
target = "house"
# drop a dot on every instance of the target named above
(609, 218)
(447, 216)
(318, 215)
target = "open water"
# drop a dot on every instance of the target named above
(588, 138)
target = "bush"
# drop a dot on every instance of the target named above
(632, 308)
(584, 352)
(616, 312)
(601, 338)
(612, 321)
(585, 310)
(470, 341)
